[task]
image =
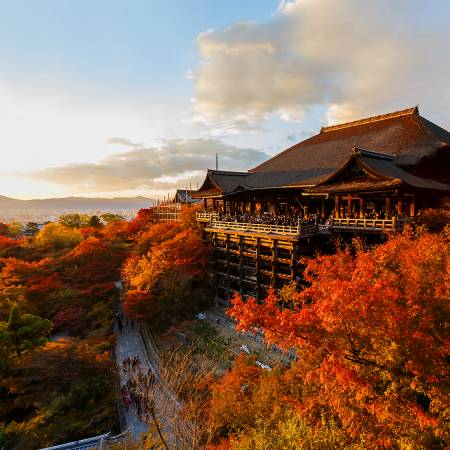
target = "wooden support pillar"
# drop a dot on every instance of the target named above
(323, 212)
(293, 261)
(362, 207)
(216, 277)
(388, 206)
(337, 207)
(349, 204)
(274, 262)
(227, 283)
(258, 267)
(400, 205)
(241, 263)
(412, 207)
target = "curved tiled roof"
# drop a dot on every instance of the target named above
(403, 137)
(405, 134)
(382, 172)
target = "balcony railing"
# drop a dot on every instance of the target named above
(300, 230)
(392, 224)
(206, 217)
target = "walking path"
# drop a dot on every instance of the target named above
(129, 344)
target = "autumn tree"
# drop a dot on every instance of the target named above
(24, 331)
(60, 392)
(15, 229)
(170, 279)
(371, 337)
(4, 230)
(57, 236)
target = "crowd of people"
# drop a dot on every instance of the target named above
(372, 214)
(295, 219)
(137, 377)
(267, 218)
(123, 322)
(138, 383)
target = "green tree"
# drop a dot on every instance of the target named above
(95, 222)
(15, 229)
(31, 229)
(74, 220)
(111, 217)
(23, 331)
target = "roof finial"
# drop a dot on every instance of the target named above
(217, 161)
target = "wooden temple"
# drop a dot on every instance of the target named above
(367, 177)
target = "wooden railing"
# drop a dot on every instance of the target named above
(206, 217)
(373, 224)
(393, 224)
(300, 230)
(167, 213)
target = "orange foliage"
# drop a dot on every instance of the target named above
(168, 274)
(371, 339)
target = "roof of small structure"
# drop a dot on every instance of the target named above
(222, 182)
(185, 195)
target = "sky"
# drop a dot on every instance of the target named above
(122, 98)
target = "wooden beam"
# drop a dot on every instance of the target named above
(258, 267)
(241, 263)
(274, 262)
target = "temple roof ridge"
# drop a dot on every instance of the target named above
(403, 112)
(227, 172)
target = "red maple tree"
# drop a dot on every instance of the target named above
(371, 336)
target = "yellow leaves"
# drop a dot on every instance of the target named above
(58, 236)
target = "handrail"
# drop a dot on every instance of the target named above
(206, 216)
(383, 224)
(300, 230)
(392, 224)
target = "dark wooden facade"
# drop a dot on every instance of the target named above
(368, 177)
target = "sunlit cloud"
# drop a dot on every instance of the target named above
(350, 58)
(176, 163)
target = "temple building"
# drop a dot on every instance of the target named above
(367, 178)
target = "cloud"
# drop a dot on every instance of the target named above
(125, 142)
(350, 58)
(174, 164)
(295, 137)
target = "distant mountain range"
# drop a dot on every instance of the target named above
(75, 204)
